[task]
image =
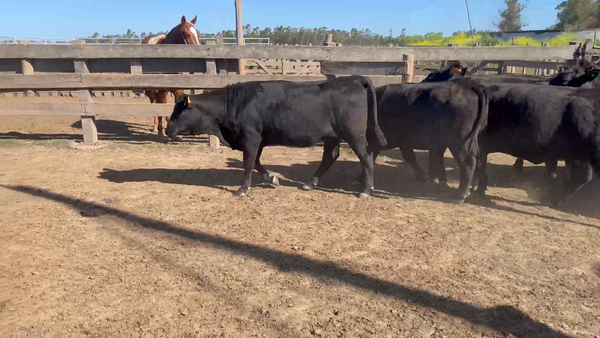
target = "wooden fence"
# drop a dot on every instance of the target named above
(283, 67)
(128, 67)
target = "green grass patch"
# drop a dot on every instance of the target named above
(53, 144)
(9, 143)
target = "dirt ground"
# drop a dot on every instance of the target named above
(140, 238)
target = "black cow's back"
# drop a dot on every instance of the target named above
(538, 122)
(421, 115)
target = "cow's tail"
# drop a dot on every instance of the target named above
(481, 121)
(374, 133)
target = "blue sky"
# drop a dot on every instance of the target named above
(37, 18)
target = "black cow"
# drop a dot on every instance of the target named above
(435, 116)
(584, 74)
(249, 116)
(544, 123)
(569, 76)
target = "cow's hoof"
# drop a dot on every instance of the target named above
(240, 192)
(275, 181)
(177, 139)
(459, 200)
(363, 196)
(313, 184)
(443, 185)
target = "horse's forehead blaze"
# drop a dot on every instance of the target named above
(189, 27)
(195, 34)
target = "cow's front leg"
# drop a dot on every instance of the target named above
(262, 171)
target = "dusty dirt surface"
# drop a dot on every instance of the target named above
(140, 238)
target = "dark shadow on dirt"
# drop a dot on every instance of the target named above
(533, 180)
(488, 202)
(108, 130)
(390, 181)
(503, 319)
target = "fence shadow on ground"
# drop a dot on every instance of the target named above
(503, 319)
(108, 130)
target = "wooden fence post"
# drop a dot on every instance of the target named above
(88, 125)
(500, 67)
(211, 69)
(26, 64)
(240, 34)
(27, 67)
(135, 68)
(409, 73)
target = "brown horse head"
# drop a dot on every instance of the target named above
(183, 34)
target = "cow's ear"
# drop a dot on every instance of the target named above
(194, 20)
(464, 71)
(183, 20)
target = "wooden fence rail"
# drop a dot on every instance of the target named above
(86, 68)
(370, 54)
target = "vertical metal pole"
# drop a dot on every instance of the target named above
(469, 17)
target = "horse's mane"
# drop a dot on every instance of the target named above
(154, 39)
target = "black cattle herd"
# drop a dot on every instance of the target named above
(529, 117)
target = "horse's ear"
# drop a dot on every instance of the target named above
(183, 20)
(194, 20)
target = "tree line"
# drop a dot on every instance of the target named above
(571, 14)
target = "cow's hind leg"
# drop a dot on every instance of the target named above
(331, 152)
(518, 166)
(482, 178)
(580, 174)
(262, 171)
(437, 167)
(250, 152)
(467, 164)
(551, 168)
(359, 146)
(376, 152)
